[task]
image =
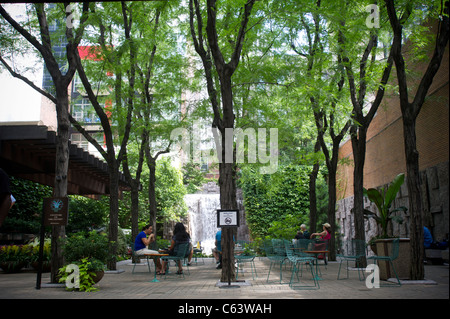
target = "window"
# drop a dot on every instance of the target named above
(84, 112)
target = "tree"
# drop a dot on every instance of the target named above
(223, 116)
(113, 58)
(61, 79)
(325, 99)
(366, 92)
(410, 111)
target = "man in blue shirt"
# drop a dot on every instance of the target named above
(427, 238)
(141, 242)
(219, 247)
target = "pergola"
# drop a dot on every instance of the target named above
(29, 152)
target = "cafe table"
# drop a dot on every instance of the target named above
(155, 257)
(316, 253)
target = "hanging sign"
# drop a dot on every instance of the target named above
(227, 218)
(56, 211)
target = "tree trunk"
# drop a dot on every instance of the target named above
(227, 179)
(313, 193)
(332, 212)
(152, 192)
(61, 169)
(134, 211)
(113, 211)
(359, 154)
(415, 203)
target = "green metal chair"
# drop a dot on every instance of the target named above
(135, 257)
(352, 250)
(300, 258)
(248, 255)
(276, 255)
(392, 256)
(198, 253)
(181, 251)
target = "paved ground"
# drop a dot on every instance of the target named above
(203, 279)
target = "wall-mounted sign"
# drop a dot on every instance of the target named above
(56, 211)
(227, 218)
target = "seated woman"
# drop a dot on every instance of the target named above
(180, 236)
(325, 235)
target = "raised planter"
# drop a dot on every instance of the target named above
(12, 266)
(98, 276)
(402, 263)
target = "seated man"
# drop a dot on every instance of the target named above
(141, 243)
(427, 238)
(219, 248)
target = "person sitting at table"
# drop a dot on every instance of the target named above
(325, 235)
(427, 238)
(142, 242)
(218, 248)
(180, 236)
(305, 232)
(299, 235)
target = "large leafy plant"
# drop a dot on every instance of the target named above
(383, 201)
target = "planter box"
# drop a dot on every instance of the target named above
(402, 264)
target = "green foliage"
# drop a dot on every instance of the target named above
(34, 250)
(86, 214)
(24, 216)
(92, 245)
(193, 177)
(14, 253)
(170, 191)
(276, 205)
(383, 200)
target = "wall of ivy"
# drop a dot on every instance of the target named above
(277, 204)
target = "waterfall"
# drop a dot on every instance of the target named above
(202, 212)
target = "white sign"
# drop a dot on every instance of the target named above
(227, 218)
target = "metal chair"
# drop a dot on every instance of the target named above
(276, 255)
(300, 258)
(352, 250)
(198, 253)
(135, 257)
(181, 251)
(247, 256)
(393, 255)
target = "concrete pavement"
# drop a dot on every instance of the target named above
(203, 279)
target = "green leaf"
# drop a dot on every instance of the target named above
(393, 189)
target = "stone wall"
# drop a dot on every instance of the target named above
(435, 196)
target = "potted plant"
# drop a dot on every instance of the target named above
(13, 257)
(90, 252)
(380, 244)
(34, 246)
(383, 201)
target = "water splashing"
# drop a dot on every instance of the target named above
(202, 210)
